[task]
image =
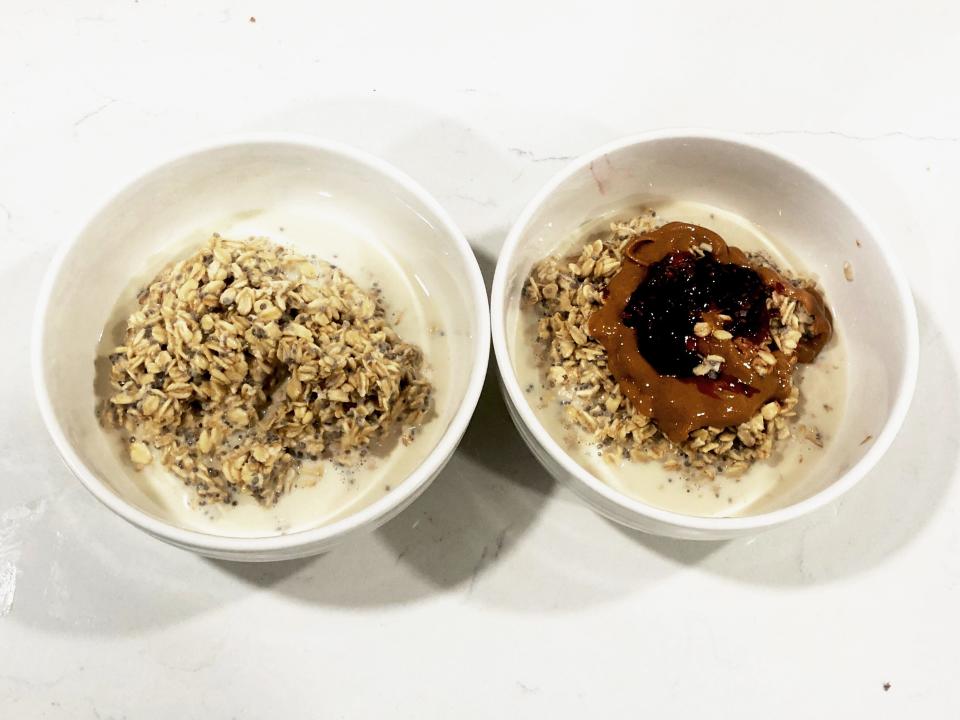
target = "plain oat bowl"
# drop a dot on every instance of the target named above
(351, 228)
(561, 264)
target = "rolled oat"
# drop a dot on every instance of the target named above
(245, 359)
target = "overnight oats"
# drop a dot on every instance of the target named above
(677, 355)
(258, 389)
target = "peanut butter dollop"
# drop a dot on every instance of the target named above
(671, 273)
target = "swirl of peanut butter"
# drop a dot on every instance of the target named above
(681, 405)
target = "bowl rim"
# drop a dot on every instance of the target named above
(596, 487)
(367, 518)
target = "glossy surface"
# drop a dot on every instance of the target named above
(677, 290)
(647, 320)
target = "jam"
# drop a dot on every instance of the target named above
(673, 278)
(675, 294)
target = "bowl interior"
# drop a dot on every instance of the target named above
(808, 220)
(347, 209)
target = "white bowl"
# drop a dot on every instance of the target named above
(822, 229)
(328, 191)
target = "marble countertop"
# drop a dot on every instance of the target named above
(496, 594)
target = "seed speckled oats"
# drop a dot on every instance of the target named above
(246, 358)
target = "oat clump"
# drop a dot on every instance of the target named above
(565, 291)
(245, 359)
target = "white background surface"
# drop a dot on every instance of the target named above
(496, 594)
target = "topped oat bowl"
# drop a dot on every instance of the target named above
(649, 311)
(247, 351)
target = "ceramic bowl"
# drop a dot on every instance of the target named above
(255, 185)
(824, 230)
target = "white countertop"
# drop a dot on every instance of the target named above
(496, 594)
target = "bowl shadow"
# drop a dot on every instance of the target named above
(879, 517)
(472, 521)
(472, 515)
(65, 550)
